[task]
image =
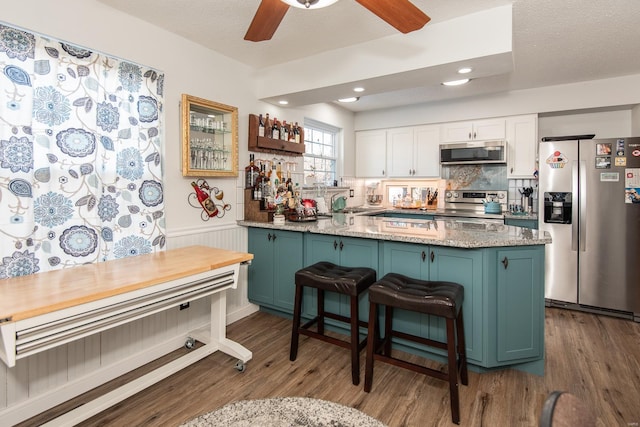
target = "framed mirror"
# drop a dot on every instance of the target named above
(209, 138)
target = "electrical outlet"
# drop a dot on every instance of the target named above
(351, 192)
(184, 306)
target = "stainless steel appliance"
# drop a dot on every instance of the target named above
(470, 204)
(587, 195)
(477, 152)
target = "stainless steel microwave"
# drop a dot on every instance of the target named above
(480, 152)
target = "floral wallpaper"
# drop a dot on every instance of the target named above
(80, 156)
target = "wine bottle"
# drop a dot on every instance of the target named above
(267, 125)
(205, 201)
(251, 173)
(297, 133)
(275, 129)
(284, 131)
(260, 126)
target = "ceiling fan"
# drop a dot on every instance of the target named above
(401, 14)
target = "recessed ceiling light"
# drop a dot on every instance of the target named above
(283, 102)
(465, 70)
(456, 82)
(358, 89)
(309, 4)
(351, 99)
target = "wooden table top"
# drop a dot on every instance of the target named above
(28, 296)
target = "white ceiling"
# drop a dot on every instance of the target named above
(553, 42)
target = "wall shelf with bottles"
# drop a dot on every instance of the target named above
(266, 144)
(209, 138)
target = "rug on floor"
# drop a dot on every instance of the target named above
(284, 411)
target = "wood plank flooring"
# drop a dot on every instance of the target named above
(595, 357)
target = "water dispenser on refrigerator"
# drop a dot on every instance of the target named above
(557, 207)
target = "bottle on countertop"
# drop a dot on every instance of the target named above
(205, 201)
(260, 126)
(251, 173)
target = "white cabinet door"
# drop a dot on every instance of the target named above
(522, 140)
(400, 159)
(427, 151)
(457, 131)
(371, 153)
(479, 130)
(489, 129)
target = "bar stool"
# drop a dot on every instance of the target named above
(443, 299)
(325, 276)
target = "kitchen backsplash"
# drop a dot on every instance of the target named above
(482, 177)
(475, 177)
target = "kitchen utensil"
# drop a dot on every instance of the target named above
(491, 207)
(339, 204)
(374, 199)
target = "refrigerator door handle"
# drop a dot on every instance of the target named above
(574, 212)
(583, 206)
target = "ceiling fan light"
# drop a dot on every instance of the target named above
(309, 4)
(456, 82)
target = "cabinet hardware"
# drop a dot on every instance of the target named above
(474, 135)
(469, 135)
(505, 262)
(274, 237)
(423, 256)
(335, 245)
(432, 256)
(269, 237)
(341, 245)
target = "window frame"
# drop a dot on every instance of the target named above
(310, 126)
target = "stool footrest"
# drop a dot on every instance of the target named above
(327, 338)
(412, 366)
(421, 340)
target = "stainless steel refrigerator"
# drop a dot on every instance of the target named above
(589, 201)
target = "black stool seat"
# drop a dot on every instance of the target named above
(437, 298)
(335, 278)
(326, 276)
(443, 299)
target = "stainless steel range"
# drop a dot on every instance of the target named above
(470, 204)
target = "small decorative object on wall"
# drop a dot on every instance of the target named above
(205, 197)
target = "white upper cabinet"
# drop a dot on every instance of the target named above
(413, 152)
(371, 154)
(401, 153)
(477, 130)
(522, 140)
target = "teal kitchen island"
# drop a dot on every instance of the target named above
(501, 268)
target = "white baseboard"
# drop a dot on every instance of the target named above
(242, 313)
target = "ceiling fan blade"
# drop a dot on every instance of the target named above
(401, 14)
(266, 20)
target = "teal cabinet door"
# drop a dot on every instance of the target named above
(289, 259)
(463, 266)
(277, 256)
(260, 271)
(345, 251)
(411, 260)
(519, 304)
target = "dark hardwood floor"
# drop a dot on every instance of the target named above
(597, 358)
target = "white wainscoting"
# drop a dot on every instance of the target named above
(42, 381)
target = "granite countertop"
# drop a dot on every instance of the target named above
(531, 216)
(452, 233)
